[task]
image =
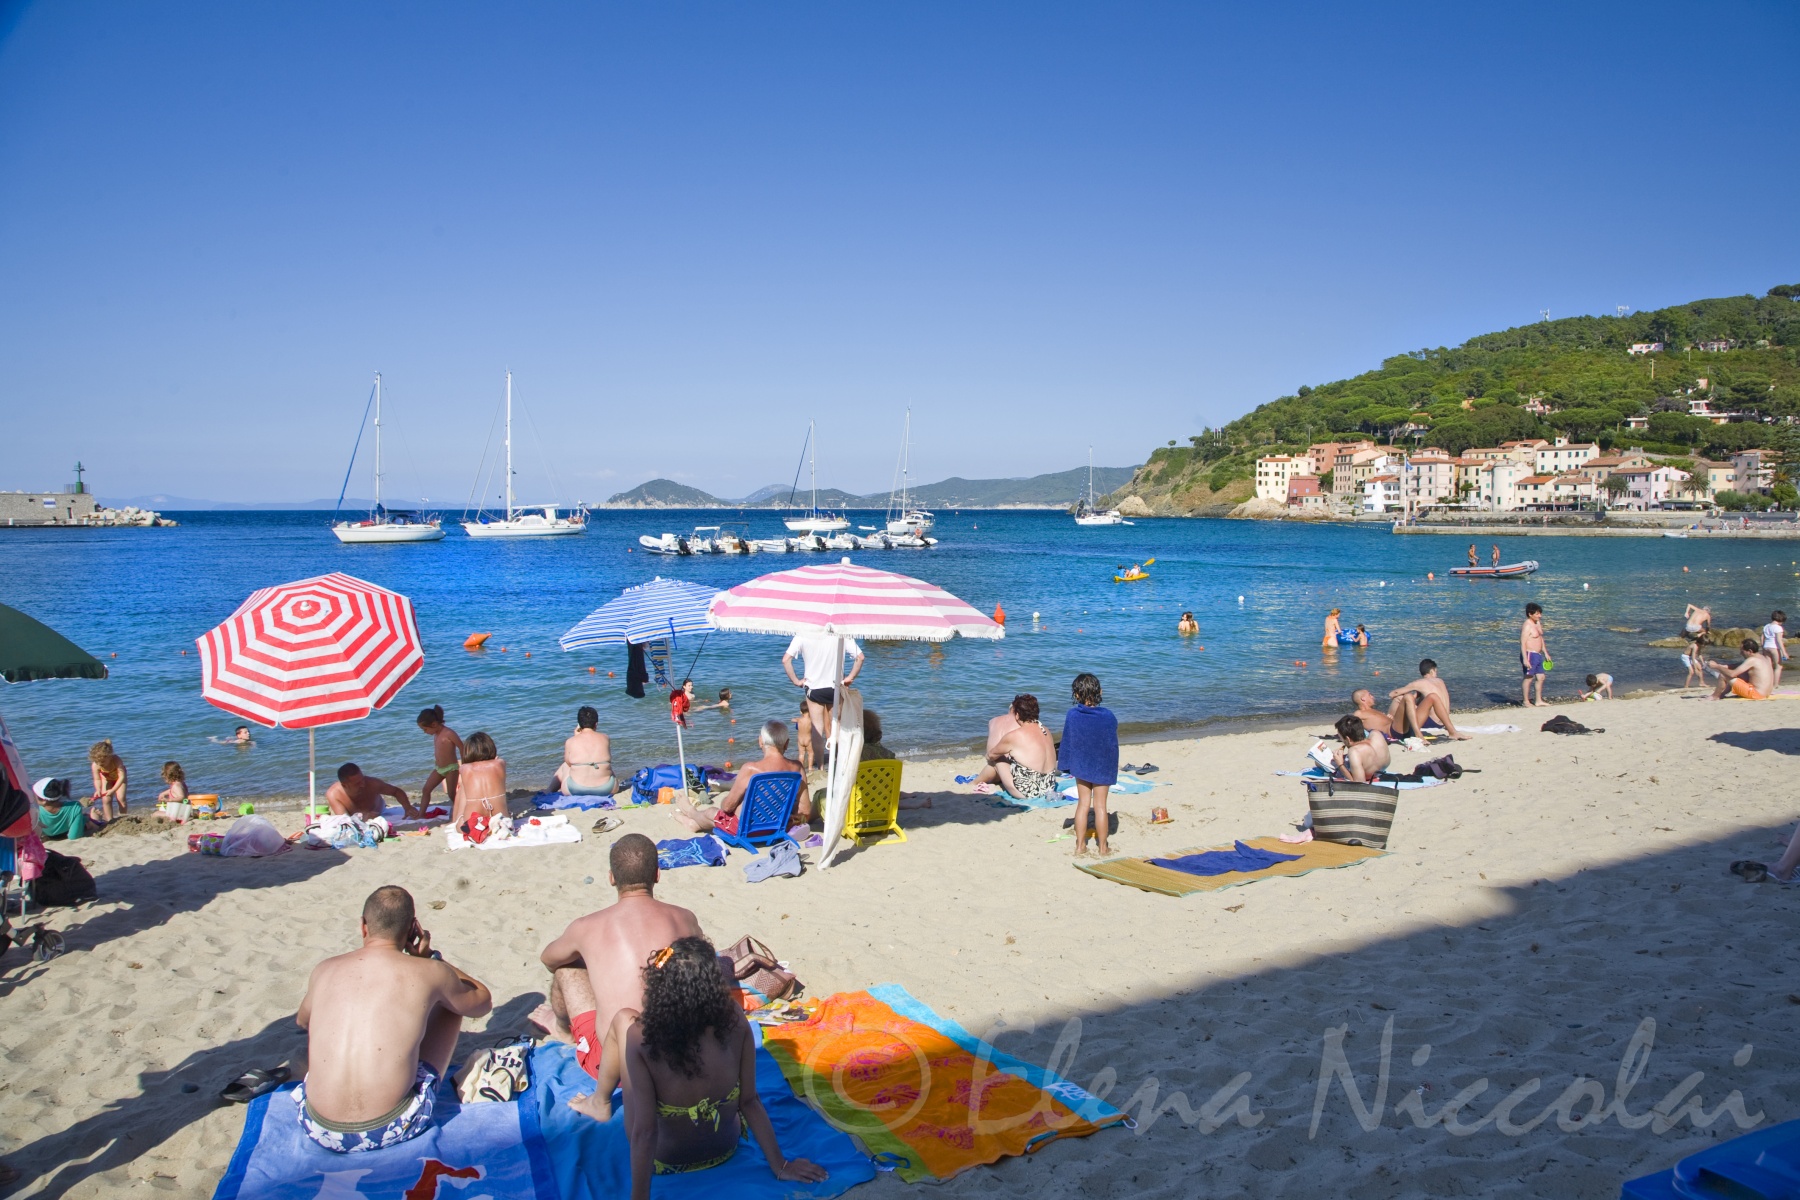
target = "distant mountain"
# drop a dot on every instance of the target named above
(666, 493)
(1040, 491)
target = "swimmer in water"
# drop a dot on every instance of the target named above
(239, 737)
(1332, 628)
(1187, 624)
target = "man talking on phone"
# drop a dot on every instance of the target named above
(381, 1024)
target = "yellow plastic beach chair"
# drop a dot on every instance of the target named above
(875, 803)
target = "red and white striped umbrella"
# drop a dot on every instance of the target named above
(848, 601)
(313, 652)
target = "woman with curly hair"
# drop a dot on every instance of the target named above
(689, 1072)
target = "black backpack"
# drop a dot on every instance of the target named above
(64, 883)
(1562, 724)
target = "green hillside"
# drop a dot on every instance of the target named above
(1040, 491)
(665, 493)
(1475, 395)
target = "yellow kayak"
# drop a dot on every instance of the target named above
(1130, 578)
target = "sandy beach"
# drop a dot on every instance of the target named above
(1525, 925)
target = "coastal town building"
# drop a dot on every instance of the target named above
(1344, 478)
(1552, 493)
(1718, 477)
(1428, 478)
(1274, 471)
(1497, 484)
(1753, 470)
(1646, 487)
(1564, 456)
(1366, 464)
(1381, 493)
(1597, 469)
(1304, 493)
(1325, 454)
(1637, 422)
(1645, 348)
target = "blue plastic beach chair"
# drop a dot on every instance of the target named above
(767, 811)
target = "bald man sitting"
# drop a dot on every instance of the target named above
(381, 1024)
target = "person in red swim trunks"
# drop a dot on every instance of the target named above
(596, 967)
(773, 738)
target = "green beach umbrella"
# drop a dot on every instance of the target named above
(30, 649)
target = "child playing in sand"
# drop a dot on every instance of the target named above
(1599, 687)
(1695, 660)
(446, 753)
(1090, 752)
(1774, 641)
(176, 778)
(109, 782)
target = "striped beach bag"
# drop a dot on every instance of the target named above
(1353, 814)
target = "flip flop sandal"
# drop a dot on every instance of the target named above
(46, 944)
(1749, 870)
(1146, 769)
(608, 823)
(254, 1083)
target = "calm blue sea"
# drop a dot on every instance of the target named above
(143, 595)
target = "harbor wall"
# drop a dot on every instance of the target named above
(46, 508)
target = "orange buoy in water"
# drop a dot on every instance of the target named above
(115, 654)
(184, 653)
(609, 674)
(528, 654)
(476, 640)
(728, 764)
(999, 615)
(729, 741)
(590, 670)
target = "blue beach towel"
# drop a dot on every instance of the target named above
(702, 851)
(562, 801)
(1222, 862)
(481, 1150)
(1090, 745)
(591, 1161)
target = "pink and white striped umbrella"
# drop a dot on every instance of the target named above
(313, 652)
(848, 601)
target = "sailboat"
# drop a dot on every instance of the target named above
(382, 524)
(1087, 513)
(903, 520)
(537, 520)
(812, 520)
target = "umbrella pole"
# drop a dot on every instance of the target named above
(312, 777)
(681, 757)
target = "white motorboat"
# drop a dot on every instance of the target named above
(910, 541)
(843, 541)
(1087, 512)
(812, 520)
(902, 517)
(772, 545)
(384, 525)
(668, 543)
(536, 520)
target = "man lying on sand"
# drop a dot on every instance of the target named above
(1752, 679)
(1364, 754)
(1424, 700)
(773, 738)
(1373, 719)
(596, 968)
(381, 1023)
(360, 795)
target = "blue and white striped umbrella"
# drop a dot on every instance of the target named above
(659, 609)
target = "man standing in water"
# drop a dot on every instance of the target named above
(1474, 559)
(1532, 654)
(1496, 554)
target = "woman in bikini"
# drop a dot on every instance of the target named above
(446, 747)
(109, 782)
(587, 759)
(482, 790)
(1024, 760)
(689, 1072)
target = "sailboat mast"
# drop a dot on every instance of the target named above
(509, 479)
(905, 462)
(812, 437)
(377, 510)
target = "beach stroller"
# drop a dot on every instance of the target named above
(16, 821)
(767, 811)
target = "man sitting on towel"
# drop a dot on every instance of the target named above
(773, 738)
(1752, 679)
(381, 1023)
(1373, 719)
(1422, 702)
(597, 968)
(1364, 754)
(360, 795)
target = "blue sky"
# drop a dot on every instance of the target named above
(689, 228)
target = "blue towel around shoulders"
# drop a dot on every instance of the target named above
(1090, 745)
(1222, 862)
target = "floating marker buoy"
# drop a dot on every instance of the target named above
(1378, 672)
(730, 741)
(528, 654)
(1584, 587)
(590, 670)
(999, 615)
(184, 653)
(115, 654)
(1240, 599)
(728, 764)
(476, 640)
(609, 674)
(734, 720)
